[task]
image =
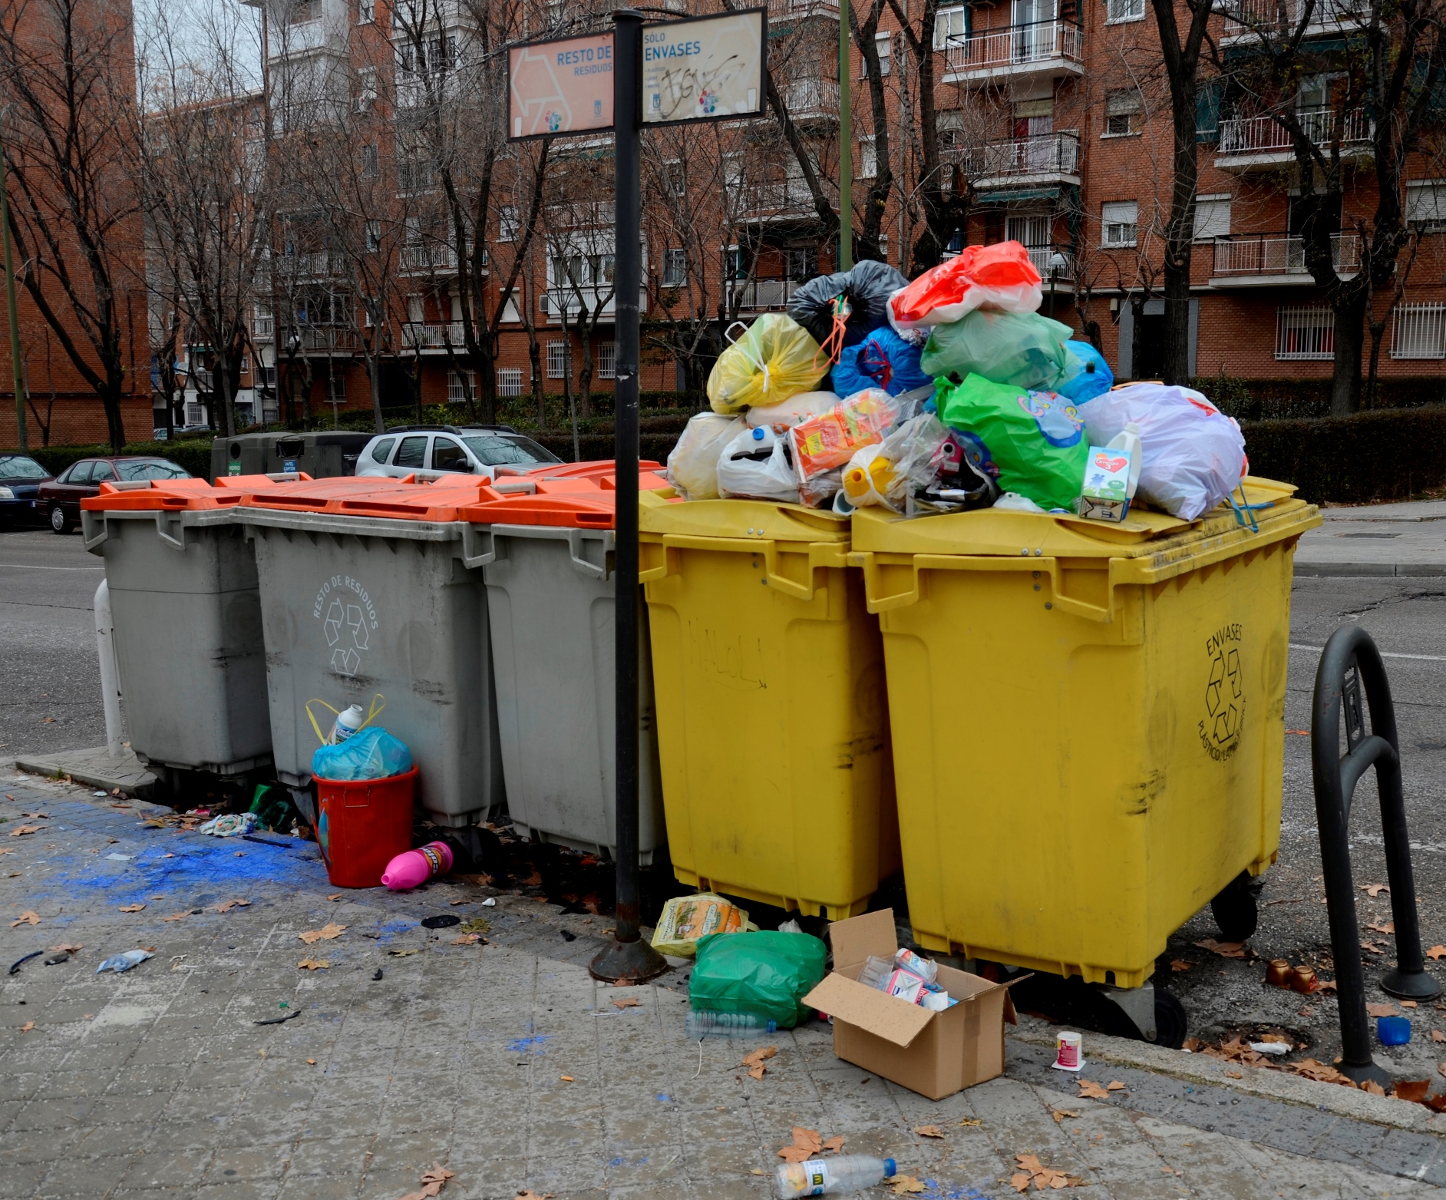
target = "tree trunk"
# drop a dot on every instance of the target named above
(374, 375)
(1349, 339)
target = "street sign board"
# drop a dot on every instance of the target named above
(704, 68)
(563, 86)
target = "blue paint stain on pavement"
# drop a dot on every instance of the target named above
(664, 1098)
(387, 930)
(528, 1045)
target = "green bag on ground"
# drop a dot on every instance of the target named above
(1032, 442)
(764, 973)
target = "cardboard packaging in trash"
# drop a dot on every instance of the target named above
(1106, 494)
(933, 1053)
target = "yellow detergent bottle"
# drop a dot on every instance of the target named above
(868, 478)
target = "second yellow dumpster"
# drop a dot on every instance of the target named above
(1087, 721)
(772, 721)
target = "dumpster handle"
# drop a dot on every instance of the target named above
(169, 529)
(478, 547)
(908, 592)
(772, 559)
(93, 529)
(577, 546)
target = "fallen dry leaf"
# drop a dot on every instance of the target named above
(180, 916)
(37, 816)
(28, 917)
(834, 1144)
(311, 1062)
(1373, 947)
(1234, 1074)
(66, 948)
(1413, 1090)
(326, 933)
(335, 896)
(971, 1122)
(806, 1143)
(929, 1131)
(1374, 889)
(1091, 1091)
(1224, 949)
(1438, 1036)
(22, 830)
(433, 1181)
(1436, 952)
(1179, 964)
(627, 1002)
(755, 1061)
(28, 1027)
(1115, 1085)
(567, 1079)
(529, 1194)
(228, 905)
(130, 908)
(313, 964)
(1313, 1068)
(1370, 1085)
(455, 903)
(905, 1185)
(1383, 926)
(1061, 1115)
(1381, 1010)
(1408, 1004)
(467, 939)
(1031, 1170)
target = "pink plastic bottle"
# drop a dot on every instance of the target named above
(412, 868)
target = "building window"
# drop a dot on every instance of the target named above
(374, 236)
(1117, 223)
(868, 158)
(675, 268)
(459, 387)
(1122, 112)
(675, 179)
(1124, 10)
(195, 414)
(366, 88)
(509, 381)
(607, 360)
(366, 12)
(507, 226)
(1306, 332)
(1212, 217)
(369, 166)
(950, 128)
(950, 23)
(884, 48)
(1426, 205)
(1419, 331)
(557, 360)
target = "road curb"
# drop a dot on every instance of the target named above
(94, 768)
(1329, 570)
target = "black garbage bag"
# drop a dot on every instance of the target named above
(866, 291)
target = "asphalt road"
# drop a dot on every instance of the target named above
(50, 700)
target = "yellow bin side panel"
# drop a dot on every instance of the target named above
(773, 732)
(1072, 791)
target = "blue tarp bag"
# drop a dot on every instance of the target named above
(882, 360)
(1086, 374)
(371, 753)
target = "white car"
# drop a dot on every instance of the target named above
(469, 449)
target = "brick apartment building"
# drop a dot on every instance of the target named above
(1046, 127)
(88, 306)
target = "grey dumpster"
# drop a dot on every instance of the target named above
(187, 624)
(550, 613)
(368, 598)
(321, 455)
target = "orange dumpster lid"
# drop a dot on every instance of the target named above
(570, 507)
(593, 469)
(374, 496)
(151, 495)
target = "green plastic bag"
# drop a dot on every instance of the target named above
(1032, 442)
(1021, 349)
(764, 973)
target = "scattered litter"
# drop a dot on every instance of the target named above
(120, 857)
(377, 974)
(100, 793)
(412, 868)
(490, 902)
(230, 825)
(56, 959)
(1271, 1048)
(15, 966)
(441, 921)
(281, 1020)
(120, 963)
(685, 919)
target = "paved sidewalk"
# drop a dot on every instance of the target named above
(503, 1061)
(1407, 539)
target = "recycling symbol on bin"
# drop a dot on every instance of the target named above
(1223, 697)
(346, 634)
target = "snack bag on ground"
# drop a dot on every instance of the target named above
(685, 920)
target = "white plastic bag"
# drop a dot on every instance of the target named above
(793, 410)
(693, 463)
(757, 464)
(1194, 455)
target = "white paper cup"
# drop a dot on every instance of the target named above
(1067, 1055)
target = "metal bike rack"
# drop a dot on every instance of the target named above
(1349, 665)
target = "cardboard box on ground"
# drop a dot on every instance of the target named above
(933, 1053)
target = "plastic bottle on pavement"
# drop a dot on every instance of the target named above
(719, 1024)
(831, 1176)
(347, 723)
(412, 868)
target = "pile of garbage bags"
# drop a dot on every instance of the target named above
(947, 393)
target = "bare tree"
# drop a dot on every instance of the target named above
(65, 90)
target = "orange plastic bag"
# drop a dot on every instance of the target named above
(1000, 276)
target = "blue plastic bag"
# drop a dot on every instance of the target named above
(371, 753)
(1086, 374)
(882, 360)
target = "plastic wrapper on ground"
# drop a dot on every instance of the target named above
(766, 974)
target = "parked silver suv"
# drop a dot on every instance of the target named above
(470, 449)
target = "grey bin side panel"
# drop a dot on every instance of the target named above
(188, 643)
(346, 616)
(552, 628)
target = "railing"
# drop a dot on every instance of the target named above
(1052, 262)
(263, 329)
(420, 259)
(1255, 135)
(1419, 331)
(811, 98)
(581, 214)
(774, 197)
(1016, 46)
(1244, 17)
(424, 335)
(1052, 154)
(320, 339)
(571, 301)
(318, 264)
(779, 10)
(764, 294)
(1280, 254)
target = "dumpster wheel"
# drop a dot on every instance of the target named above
(1235, 909)
(1120, 1014)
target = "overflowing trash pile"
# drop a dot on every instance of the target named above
(945, 394)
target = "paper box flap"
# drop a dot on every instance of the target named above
(875, 1012)
(855, 938)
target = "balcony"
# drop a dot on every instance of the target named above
(773, 200)
(1246, 20)
(581, 214)
(427, 259)
(415, 14)
(314, 264)
(570, 303)
(263, 329)
(424, 336)
(1263, 144)
(1276, 260)
(763, 295)
(782, 11)
(319, 340)
(1048, 159)
(1045, 49)
(810, 99)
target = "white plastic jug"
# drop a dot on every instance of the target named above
(347, 723)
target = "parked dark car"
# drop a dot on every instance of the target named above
(20, 479)
(60, 498)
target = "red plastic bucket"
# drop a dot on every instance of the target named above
(362, 825)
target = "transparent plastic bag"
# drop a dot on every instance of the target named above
(1086, 374)
(882, 360)
(371, 753)
(758, 465)
(767, 362)
(1021, 349)
(693, 463)
(1193, 454)
(999, 276)
(826, 442)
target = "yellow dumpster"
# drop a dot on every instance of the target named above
(773, 731)
(1087, 721)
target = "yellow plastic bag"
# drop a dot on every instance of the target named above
(768, 362)
(685, 919)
